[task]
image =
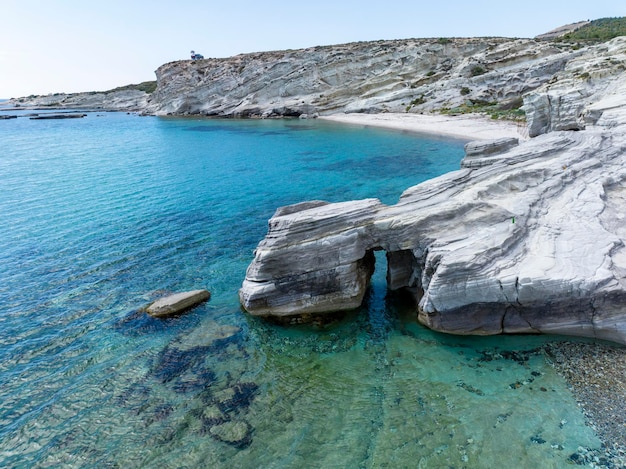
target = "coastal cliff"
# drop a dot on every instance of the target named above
(526, 238)
(130, 98)
(446, 75)
(413, 75)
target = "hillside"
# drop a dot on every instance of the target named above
(443, 75)
(412, 75)
(124, 98)
(599, 30)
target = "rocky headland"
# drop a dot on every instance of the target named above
(131, 100)
(525, 238)
(413, 75)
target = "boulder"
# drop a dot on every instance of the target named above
(177, 303)
(234, 433)
(477, 153)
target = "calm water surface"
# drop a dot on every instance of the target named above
(101, 215)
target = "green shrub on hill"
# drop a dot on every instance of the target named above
(599, 30)
(146, 86)
(506, 110)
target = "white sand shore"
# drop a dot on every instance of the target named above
(465, 126)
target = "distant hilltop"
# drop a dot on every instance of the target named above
(445, 75)
(125, 98)
(561, 31)
(599, 30)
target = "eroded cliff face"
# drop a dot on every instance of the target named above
(527, 238)
(412, 75)
(573, 97)
(126, 100)
(416, 75)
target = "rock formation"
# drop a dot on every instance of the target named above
(124, 100)
(413, 75)
(523, 239)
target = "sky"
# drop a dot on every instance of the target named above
(49, 46)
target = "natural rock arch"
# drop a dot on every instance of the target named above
(517, 241)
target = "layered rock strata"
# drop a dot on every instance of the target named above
(523, 239)
(124, 100)
(413, 75)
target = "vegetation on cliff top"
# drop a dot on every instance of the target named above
(599, 30)
(146, 86)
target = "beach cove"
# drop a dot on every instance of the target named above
(107, 213)
(88, 378)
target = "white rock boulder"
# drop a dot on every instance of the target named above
(177, 303)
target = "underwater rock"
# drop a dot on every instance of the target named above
(238, 434)
(57, 116)
(197, 380)
(206, 335)
(177, 303)
(236, 398)
(211, 415)
(173, 362)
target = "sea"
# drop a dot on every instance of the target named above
(102, 215)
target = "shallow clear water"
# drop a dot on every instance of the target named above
(101, 215)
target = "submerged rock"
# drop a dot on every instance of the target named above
(238, 434)
(177, 303)
(534, 242)
(58, 116)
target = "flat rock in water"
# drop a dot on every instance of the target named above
(177, 303)
(58, 116)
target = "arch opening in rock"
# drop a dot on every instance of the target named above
(401, 270)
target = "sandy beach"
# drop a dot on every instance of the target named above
(465, 126)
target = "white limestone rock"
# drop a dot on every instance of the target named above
(177, 303)
(123, 100)
(532, 241)
(413, 75)
(478, 152)
(566, 101)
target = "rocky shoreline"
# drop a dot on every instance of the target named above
(533, 236)
(528, 237)
(596, 374)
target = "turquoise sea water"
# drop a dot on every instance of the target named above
(99, 216)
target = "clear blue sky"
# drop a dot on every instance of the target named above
(51, 46)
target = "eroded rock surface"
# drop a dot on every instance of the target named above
(530, 238)
(413, 75)
(122, 100)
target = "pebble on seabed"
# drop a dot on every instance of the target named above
(597, 375)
